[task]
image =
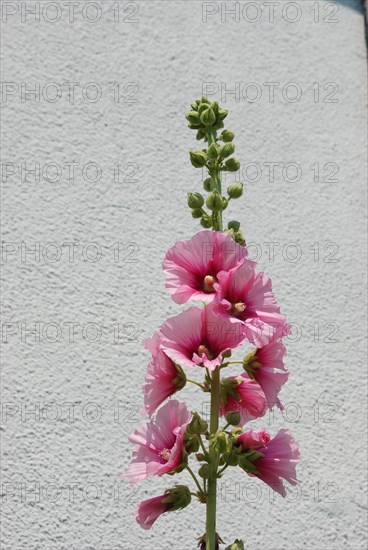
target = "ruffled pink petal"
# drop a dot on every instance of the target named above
(149, 510)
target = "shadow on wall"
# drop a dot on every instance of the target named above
(356, 5)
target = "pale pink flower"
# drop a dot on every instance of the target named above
(163, 377)
(149, 510)
(253, 439)
(266, 366)
(247, 397)
(280, 458)
(192, 267)
(199, 337)
(247, 297)
(159, 443)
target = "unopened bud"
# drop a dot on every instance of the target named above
(206, 221)
(208, 117)
(220, 442)
(227, 136)
(204, 471)
(237, 545)
(212, 151)
(232, 459)
(221, 114)
(232, 164)
(235, 191)
(200, 134)
(195, 200)
(239, 238)
(193, 118)
(197, 213)
(234, 225)
(200, 457)
(214, 201)
(177, 498)
(215, 107)
(197, 425)
(198, 158)
(233, 418)
(207, 184)
(226, 150)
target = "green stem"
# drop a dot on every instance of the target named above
(212, 480)
(222, 469)
(195, 479)
(196, 383)
(216, 216)
(203, 447)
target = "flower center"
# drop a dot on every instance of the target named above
(202, 349)
(208, 283)
(166, 454)
(237, 308)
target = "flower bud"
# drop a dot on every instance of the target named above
(206, 221)
(178, 497)
(214, 201)
(232, 459)
(194, 106)
(208, 117)
(234, 225)
(237, 545)
(227, 136)
(200, 134)
(221, 114)
(200, 457)
(198, 158)
(220, 442)
(225, 203)
(197, 425)
(215, 107)
(232, 165)
(233, 418)
(204, 471)
(195, 200)
(235, 191)
(193, 118)
(207, 184)
(180, 379)
(239, 238)
(226, 150)
(205, 100)
(191, 443)
(212, 152)
(197, 213)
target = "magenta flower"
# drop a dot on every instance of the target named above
(163, 377)
(240, 393)
(199, 337)
(192, 267)
(247, 297)
(280, 458)
(159, 443)
(266, 366)
(253, 439)
(149, 510)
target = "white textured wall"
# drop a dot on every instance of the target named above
(169, 53)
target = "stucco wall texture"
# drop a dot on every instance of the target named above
(109, 192)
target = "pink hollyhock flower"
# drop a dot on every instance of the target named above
(149, 510)
(280, 457)
(247, 297)
(266, 366)
(199, 337)
(173, 499)
(163, 377)
(253, 439)
(159, 443)
(239, 393)
(192, 267)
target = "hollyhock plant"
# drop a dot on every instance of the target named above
(163, 377)
(277, 460)
(266, 366)
(247, 297)
(240, 393)
(192, 267)
(237, 306)
(199, 337)
(159, 443)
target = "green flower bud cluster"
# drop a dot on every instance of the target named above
(207, 118)
(237, 545)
